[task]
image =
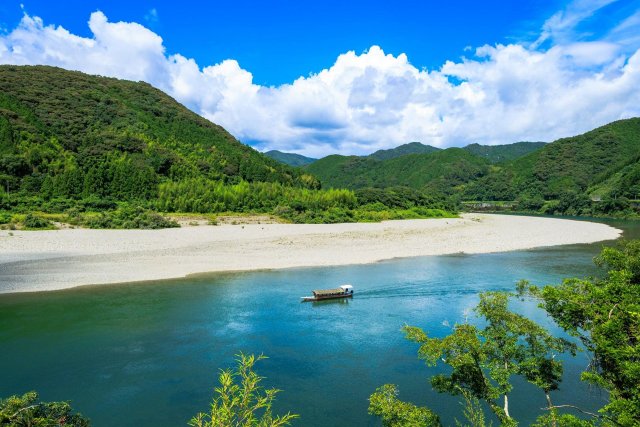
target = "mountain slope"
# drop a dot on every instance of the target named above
(442, 170)
(504, 153)
(291, 159)
(69, 134)
(568, 165)
(403, 150)
(416, 165)
(601, 164)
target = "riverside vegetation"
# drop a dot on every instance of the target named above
(106, 153)
(485, 358)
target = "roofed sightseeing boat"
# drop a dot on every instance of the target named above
(344, 291)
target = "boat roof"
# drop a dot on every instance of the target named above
(340, 290)
(322, 292)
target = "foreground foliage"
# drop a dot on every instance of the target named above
(395, 413)
(604, 314)
(240, 400)
(26, 411)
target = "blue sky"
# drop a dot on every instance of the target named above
(279, 41)
(355, 76)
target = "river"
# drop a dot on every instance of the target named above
(149, 354)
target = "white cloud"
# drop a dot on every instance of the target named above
(371, 100)
(151, 17)
(561, 27)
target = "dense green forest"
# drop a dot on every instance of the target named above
(597, 173)
(504, 153)
(492, 153)
(442, 170)
(103, 152)
(290, 159)
(403, 150)
(418, 166)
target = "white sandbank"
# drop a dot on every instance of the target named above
(48, 260)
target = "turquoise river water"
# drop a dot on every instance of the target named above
(148, 354)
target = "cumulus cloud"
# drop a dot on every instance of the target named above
(372, 100)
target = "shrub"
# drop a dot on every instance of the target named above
(24, 411)
(5, 217)
(130, 218)
(36, 222)
(241, 401)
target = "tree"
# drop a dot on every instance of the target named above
(19, 411)
(241, 401)
(483, 361)
(605, 315)
(385, 404)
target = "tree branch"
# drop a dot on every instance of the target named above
(612, 308)
(23, 409)
(572, 407)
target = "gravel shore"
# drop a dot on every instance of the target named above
(48, 260)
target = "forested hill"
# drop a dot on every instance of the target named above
(66, 133)
(600, 164)
(440, 170)
(403, 150)
(492, 153)
(597, 173)
(100, 152)
(291, 159)
(505, 152)
(417, 165)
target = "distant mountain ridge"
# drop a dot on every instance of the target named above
(417, 165)
(602, 164)
(493, 153)
(441, 169)
(291, 159)
(505, 152)
(403, 150)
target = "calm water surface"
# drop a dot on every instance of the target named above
(148, 354)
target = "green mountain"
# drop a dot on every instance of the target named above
(70, 142)
(601, 163)
(290, 159)
(403, 150)
(442, 170)
(72, 135)
(416, 165)
(504, 153)
(590, 174)
(106, 153)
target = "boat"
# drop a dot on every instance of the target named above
(344, 291)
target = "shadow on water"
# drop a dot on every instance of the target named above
(121, 352)
(337, 301)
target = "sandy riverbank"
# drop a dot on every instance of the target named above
(48, 260)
